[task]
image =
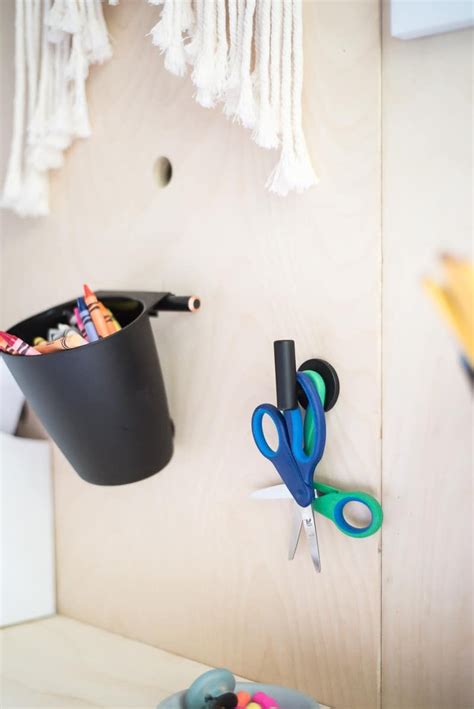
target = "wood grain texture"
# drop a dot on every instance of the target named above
(427, 420)
(60, 662)
(184, 560)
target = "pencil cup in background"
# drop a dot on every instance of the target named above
(104, 404)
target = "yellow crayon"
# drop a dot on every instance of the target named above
(38, 341)
(69, 342)
(116, 323)
(108, 317)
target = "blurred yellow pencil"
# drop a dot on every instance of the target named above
(460, 286)
(453, 315)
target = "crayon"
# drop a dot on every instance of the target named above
(62, 330)
(38, 341)
(116, 323)
(15, 346)
(91, 332)
(95, 312)
(243, 699)
(108, 318)
(80, 324)
(64, 343)
(265, 701)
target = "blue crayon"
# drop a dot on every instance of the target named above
(91, 332)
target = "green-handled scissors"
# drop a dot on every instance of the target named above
(328, 501)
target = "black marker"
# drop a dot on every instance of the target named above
(285, 374)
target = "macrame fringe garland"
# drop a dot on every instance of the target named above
(56, 41)
(245, 54)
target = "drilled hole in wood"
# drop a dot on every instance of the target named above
(163, 171)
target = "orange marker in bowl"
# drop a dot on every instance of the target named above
(95, 312)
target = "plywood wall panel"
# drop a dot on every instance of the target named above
(427, 418)
(184, 560)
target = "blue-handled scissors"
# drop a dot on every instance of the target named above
(326, 500)
(295, 461)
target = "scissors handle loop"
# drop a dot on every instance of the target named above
(282, 458)
(331, 503)
(257, 429)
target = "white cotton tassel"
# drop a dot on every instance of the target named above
(294, 170)
(162, 32)
(32, 48)
(203, 75)
(193, 47)
(275, 61)
(34, 198)
(42, 156)
(246, 110)
(13, 179)
(47, 151)
(187, 16)
(77, 70)
(220, 74)
(31, 199)
(236, 28)
(60, 123)
(96, 39)
(61, 18)
(265, 133)
(175, 58)
(304, 172)
(281, 180)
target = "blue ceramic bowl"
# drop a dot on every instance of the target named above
(286, 698)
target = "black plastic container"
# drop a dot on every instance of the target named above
(104, 404)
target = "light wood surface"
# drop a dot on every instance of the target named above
(185, 560)
(427, 419)
(62, 663)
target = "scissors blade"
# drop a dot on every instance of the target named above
(274, 492)
(309, 525)
(295, 532)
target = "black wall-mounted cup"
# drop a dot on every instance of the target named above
(104, 404)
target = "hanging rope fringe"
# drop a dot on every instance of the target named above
(55, 43)
(265, 133)
(247, 54)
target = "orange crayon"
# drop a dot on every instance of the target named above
(68, 342)
(95, 312)
(108, 318)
